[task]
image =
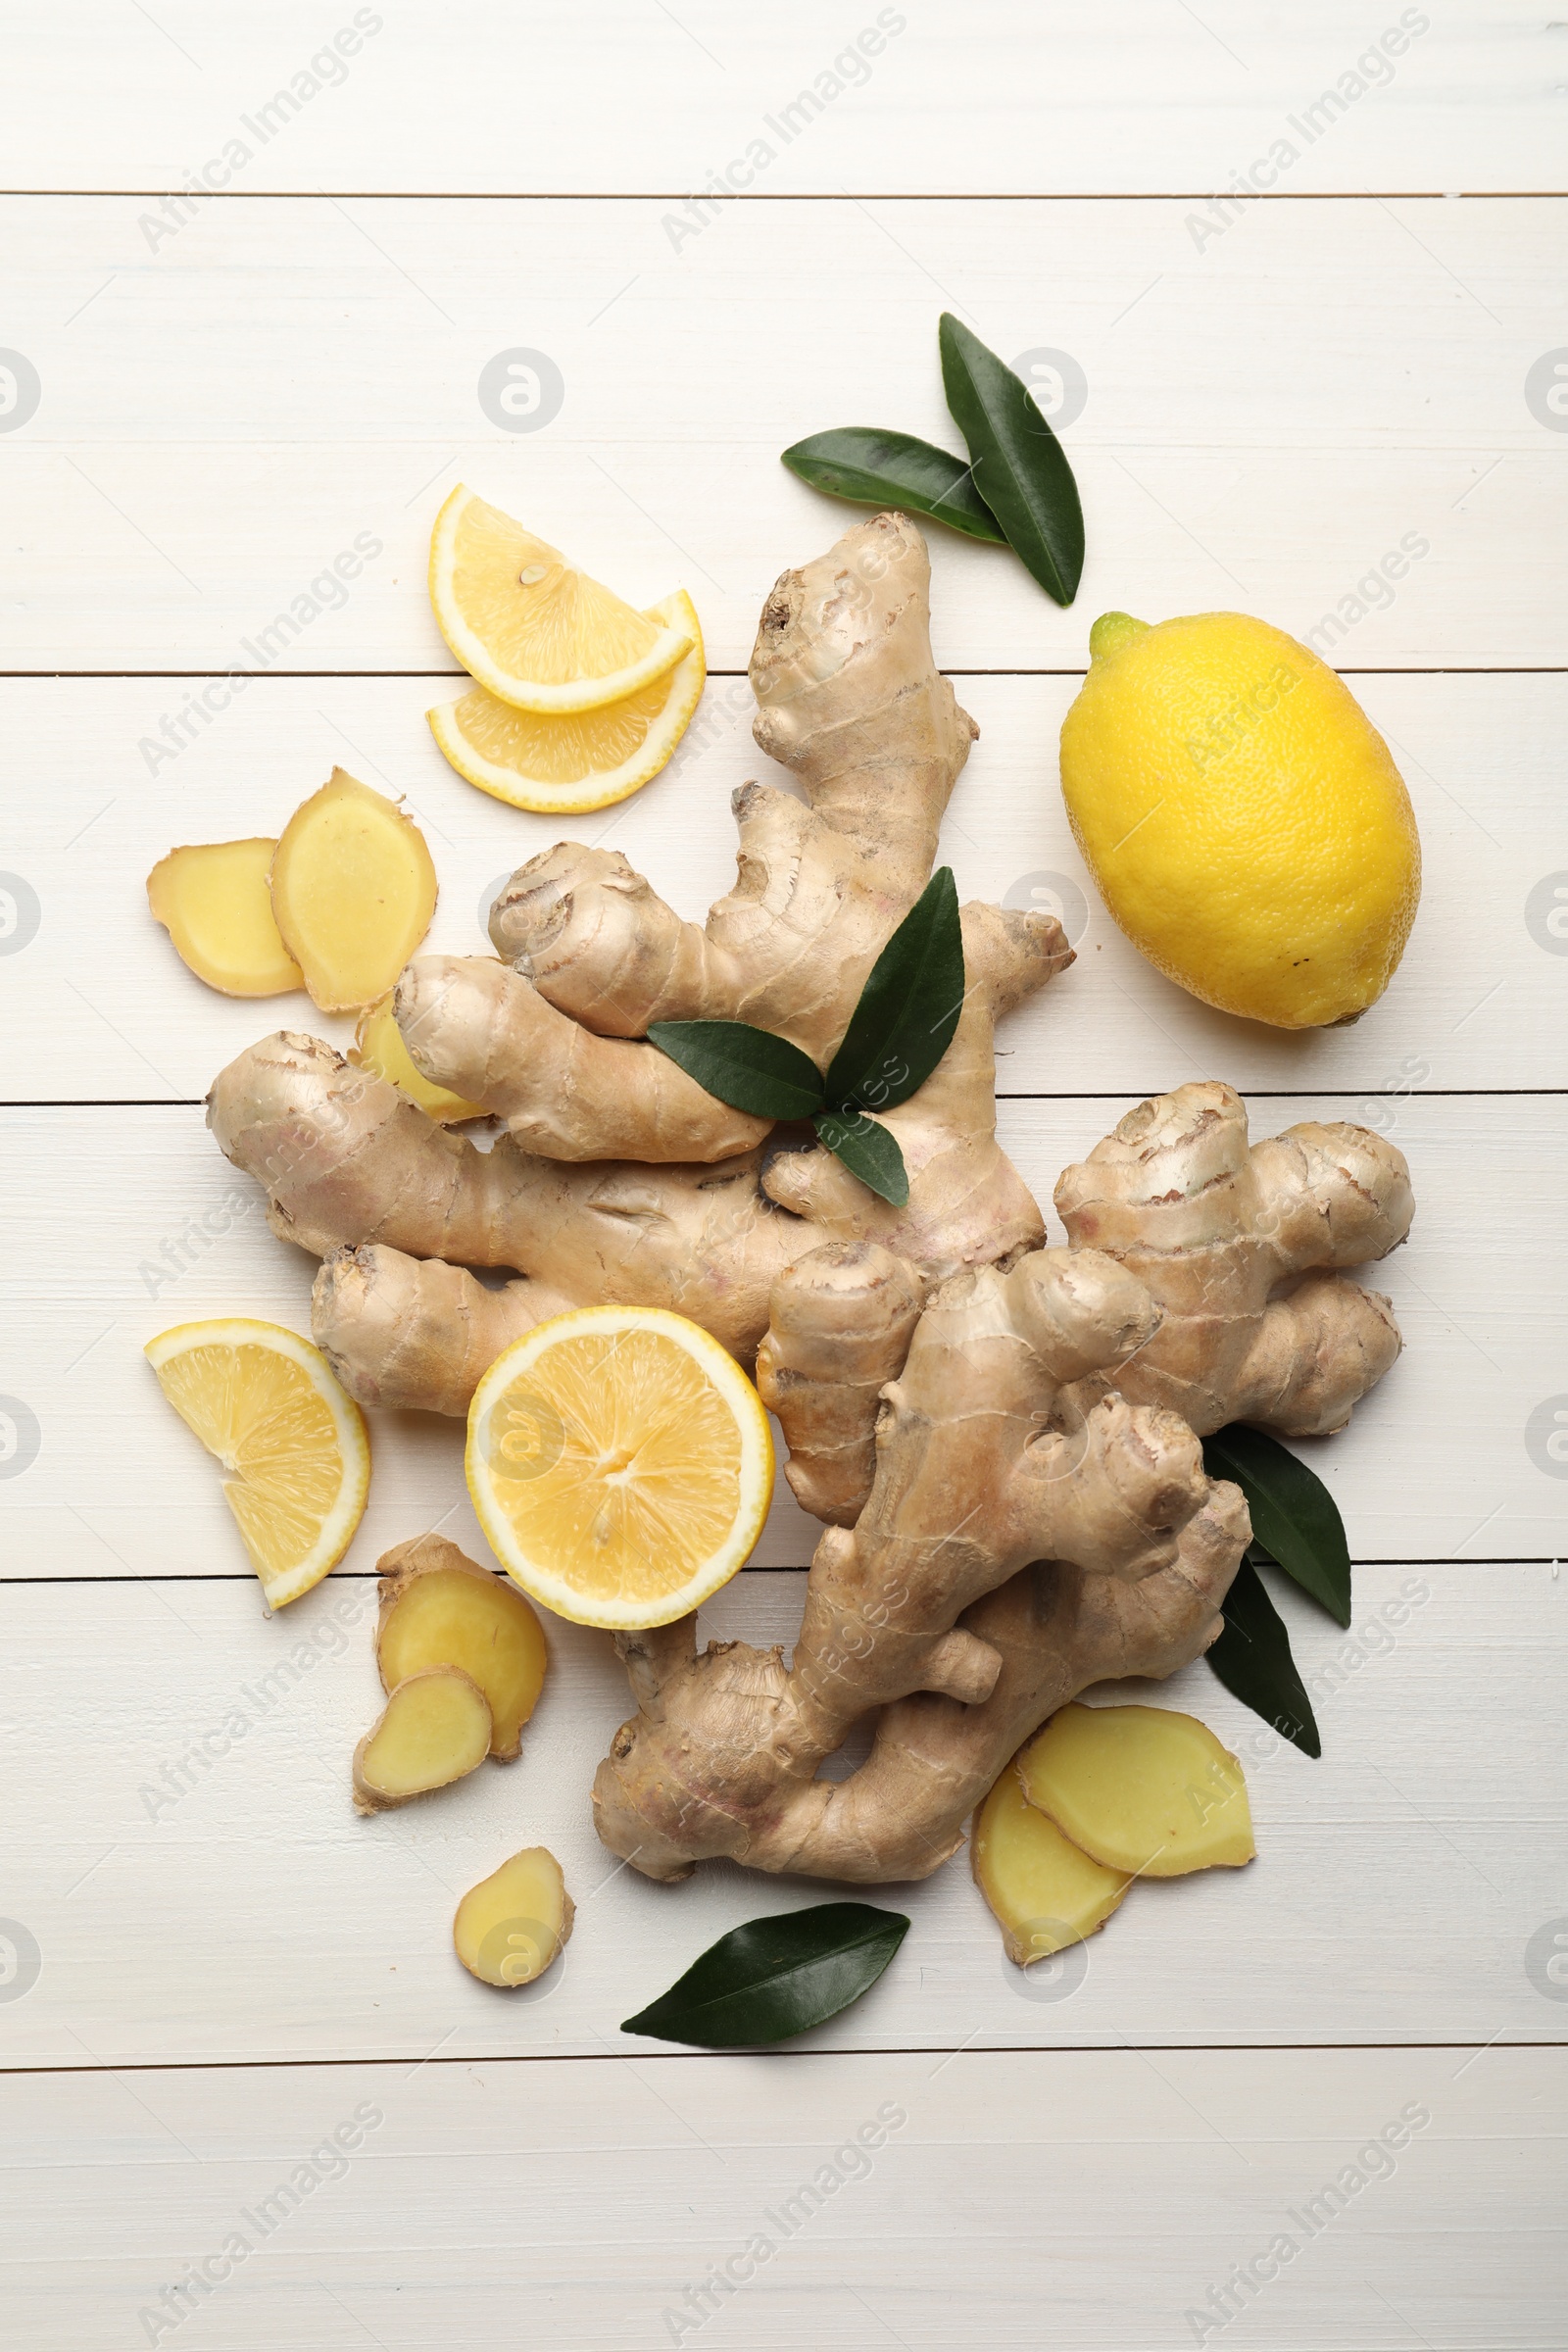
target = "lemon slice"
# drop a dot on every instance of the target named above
(589, 758)
(264, 1401)
(528, 626)
(620, 1464)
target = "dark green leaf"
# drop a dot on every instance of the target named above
(1294, 1517)
(878, 469)
(1252, 1659)
(908, 1008)
(750, 1069)
(1021, 469)
(868, 1150)
(775, 1977)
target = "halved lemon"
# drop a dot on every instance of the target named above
(589, 758)
(524, 623)
(620, 1464)
(266, 1402)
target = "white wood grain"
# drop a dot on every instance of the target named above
(1266, 418)
(232, 391)
(993, 95)
(1433, 1466)
(203, 1834)
(95, 1004)
(1004, 2201)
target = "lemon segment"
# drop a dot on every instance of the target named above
(1242, 818)
(266, 1403)
(620, 1464)
(589, 758)
(524, 622)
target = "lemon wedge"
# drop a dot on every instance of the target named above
(620, 1464)
(587, 759)
(524, 623)
(266, 1402)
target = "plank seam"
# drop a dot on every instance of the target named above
(61, 676)
(803, 195)
(932, 2049)
(370, 1576)
(1250, 1093)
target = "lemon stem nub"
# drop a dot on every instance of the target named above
(1111, 631)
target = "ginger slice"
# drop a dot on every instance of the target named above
(511, 1926)
(438, 1609)
(433, 1730)
(1141, 1788)
(212, 897)
(1045, 1891)
(378, 1046)
(353, 890)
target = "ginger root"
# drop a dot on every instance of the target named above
(1035, 1518)
(841, 1321)
(1245, 1249)
(1003, 1438)
(511, 1926)
(353, 891)
(378, 1046)
(434, 1729)
(620, 1182)
(1045, 1891)
(440, 1610)
(213, 898)
(1141, 1788)
(929, 1608)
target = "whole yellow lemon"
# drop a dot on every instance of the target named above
(1242, 817)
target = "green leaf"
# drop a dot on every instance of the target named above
(1021, 469)
(868, 1150)
(908, 1008)
(879, 468)
(1252, 1659)
(775, 1977)
(1294, 1517)
(750, 1069)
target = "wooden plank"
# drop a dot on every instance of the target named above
(96, 1006)
(1269, 413)
(141, 1224)
(203, 1832)
(997, 96)
(585, 2201)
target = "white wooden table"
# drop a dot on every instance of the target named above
(212, 1967)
